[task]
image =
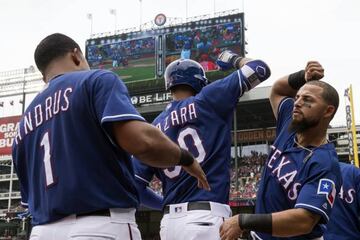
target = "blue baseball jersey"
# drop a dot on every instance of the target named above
(344, 223)
(65, 154)
(294, 177)
(202, 125)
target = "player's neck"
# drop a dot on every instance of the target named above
(58, 67)
(181, 95)
(308, 138)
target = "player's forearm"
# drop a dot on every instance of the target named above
(146, 143)
(157, 150)
(293, 222)
(282, 88)
(288, 223)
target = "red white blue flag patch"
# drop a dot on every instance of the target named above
(327, 187)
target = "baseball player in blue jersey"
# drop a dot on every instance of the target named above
(199, 119)
(71, 152)
(301, 176)
(344, 223)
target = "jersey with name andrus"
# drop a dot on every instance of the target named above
(64, 153)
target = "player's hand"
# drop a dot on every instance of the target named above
(195, 170)
(227, 60)
(313, 71)
(230, 229)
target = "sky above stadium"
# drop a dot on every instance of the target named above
(286, 34)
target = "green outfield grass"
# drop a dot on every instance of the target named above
(136, 73)
(138, 69)
(142, 61)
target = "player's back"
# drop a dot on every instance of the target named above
(201, 124)
(344, 222)
(63, 151)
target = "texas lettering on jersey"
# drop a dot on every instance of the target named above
(347, 195)
(285, 172)
(295, 177)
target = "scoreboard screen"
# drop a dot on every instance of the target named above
(132, 59)
(144, 55)
(204, 44)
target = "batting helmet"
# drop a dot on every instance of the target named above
(185, 72)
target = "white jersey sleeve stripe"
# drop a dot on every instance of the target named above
(122, 116)
(142, 179)
(240, 84)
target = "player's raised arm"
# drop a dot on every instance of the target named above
(148, 144)
(223, 94)
(253, 71)
(287, 86)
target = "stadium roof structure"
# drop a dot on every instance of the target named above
(253, 111)
(20, 81)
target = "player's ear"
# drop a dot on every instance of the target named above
(76, 56)
(329, 111)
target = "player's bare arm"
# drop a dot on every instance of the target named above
(288, 85)
(301, 221)
(277, 224)
(148, 144)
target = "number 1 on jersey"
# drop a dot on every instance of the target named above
(45, 142)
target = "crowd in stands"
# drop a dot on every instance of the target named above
(249, 173)
(204, 45)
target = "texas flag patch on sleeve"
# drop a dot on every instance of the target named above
(327, 187)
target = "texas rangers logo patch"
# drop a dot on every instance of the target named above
(327, 187)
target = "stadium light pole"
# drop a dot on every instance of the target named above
(89, 16)
(113, 12)
(25, 71)
(186, 9)
(140, 14)
(214, 7)
(236, 153)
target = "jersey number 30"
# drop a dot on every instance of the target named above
(199, 154)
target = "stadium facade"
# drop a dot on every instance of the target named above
(139, 58)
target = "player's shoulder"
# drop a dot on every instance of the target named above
(285, 103)
(100, 76)
(100, 73)
(349, 170)
(326, 157)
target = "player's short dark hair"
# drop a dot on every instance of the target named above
(53, 46)
(329, 94)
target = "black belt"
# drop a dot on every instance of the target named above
(103, 212)
(192, 206)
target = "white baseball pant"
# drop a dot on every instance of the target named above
(184, 224)
(119, 225)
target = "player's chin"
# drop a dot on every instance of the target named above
(297, 116)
